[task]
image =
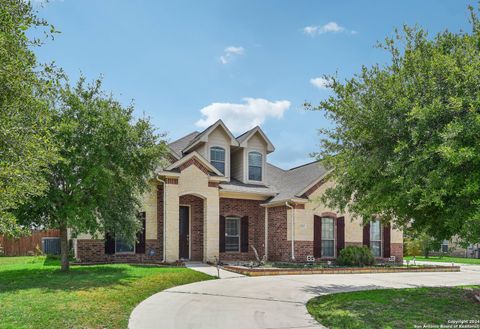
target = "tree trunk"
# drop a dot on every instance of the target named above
(64, 248)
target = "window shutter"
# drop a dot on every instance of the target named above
(244, 234)
(140, 244)
(340, 234)
(109, 244)
(386, 240)
(222, 234)
(317, 236)
(366, 234)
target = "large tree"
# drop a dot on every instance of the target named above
(406, 139)
(26, 145)
(107, 159)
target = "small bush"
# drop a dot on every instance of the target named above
(355, 256)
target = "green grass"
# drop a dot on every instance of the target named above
(35, 294)
(446, 259)
(395, 308)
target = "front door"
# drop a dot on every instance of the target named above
(184, 233)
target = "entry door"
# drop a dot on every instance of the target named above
(184, 233)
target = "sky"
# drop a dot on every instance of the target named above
(186, 64)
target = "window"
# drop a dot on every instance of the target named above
(255, 166)
(123, 246)
(328, 237)
(217, 158)
(376, 238)
(445, 246)
(232, 234)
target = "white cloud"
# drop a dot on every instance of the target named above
(330, 27)
(241, 117)
(231, 52)
(320, 83)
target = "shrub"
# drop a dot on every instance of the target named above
(355, 256)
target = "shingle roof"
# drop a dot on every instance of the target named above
(283, 184)
(290, 183)
(243, 136)
(237, 186)
(178, 145)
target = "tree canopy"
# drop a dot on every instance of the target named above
(108, 158)
(406, 141)
(26, 144)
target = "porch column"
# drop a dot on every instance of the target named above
(211, 228)
(172, 222)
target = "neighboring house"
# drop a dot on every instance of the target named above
(219, 197)
(453, 247)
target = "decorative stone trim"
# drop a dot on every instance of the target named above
(314, 187)
(299, 206)
(173, 181)
(194, 161)
(328, 214)
(212, 184)
(346, 270)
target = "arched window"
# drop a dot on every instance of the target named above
(255, 166)
(217, 158)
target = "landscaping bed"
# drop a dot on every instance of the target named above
(263, 271)
(398, 308)
(34, 293)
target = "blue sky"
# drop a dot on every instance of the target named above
(187, 63)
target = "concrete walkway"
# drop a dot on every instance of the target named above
(269, 302)
(212, 270)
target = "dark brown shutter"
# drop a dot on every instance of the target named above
(244, 234)
(386, 240)
(109, 244)
(140, 244)
(366, 234)
(317, 236)
(222, 234)
(340, 234)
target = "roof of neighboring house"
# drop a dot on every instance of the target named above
(281, 184)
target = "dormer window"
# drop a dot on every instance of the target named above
(217, 158)
(255, 166)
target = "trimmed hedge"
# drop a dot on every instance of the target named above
(355, 256)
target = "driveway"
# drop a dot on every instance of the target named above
(271, 301)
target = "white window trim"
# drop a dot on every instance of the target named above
(239, 220)
(226, 155)
(381, 239)
(248, 180)
(334, 238)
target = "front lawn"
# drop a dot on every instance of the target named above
(395, 308)
(446, 259)
(35, 294)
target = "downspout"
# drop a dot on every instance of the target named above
(164, 220)
(293, 229)
(266, 233)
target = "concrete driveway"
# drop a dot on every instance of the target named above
(269, 302)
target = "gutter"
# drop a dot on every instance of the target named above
(293, 229)
(164, 249)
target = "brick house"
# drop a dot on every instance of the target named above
(218, 197)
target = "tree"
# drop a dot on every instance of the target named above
(26, 144)
(107, 160)
(406, 141)
(419, 243)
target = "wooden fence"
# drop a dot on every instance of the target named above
(25, 245)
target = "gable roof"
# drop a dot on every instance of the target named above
(178, 145)
(192, 155)
(243, 138)
(202, 137)
(292, 183)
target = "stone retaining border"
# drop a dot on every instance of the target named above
(346, 270)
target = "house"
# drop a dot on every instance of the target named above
(454, 247)
(219, 198)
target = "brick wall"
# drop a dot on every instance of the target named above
(93, 251)
(279, 249)
(396, 249)
(256, 226)
(160, 219)
(196, 225)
